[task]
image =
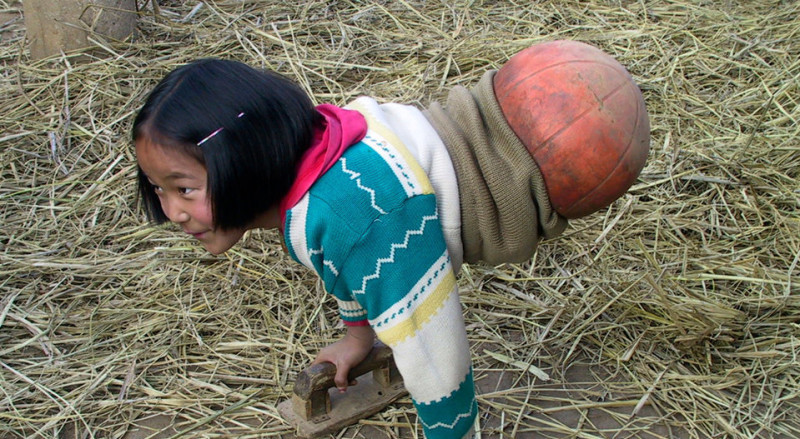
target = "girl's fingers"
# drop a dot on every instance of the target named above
(341, 378)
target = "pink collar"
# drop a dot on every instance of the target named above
(342, 128)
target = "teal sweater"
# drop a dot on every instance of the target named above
(371, 230)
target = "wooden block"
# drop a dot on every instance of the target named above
(360, 401)
(54, 26)
(318, 408)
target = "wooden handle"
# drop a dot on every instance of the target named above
(311, 400)
(320, 376)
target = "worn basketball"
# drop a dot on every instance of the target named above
(582, 118)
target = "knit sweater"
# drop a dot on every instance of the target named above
(372, 229)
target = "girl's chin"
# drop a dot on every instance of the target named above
(216, 249)
(216, 243)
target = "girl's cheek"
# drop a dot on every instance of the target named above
(203, 213)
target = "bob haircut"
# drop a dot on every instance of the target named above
(253, 126)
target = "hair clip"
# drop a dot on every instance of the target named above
(217, 131)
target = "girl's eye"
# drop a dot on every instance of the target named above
(185, 190)
(157, 189)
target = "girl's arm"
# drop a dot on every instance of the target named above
(401, 274)
(370, 228)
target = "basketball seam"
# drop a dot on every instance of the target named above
(580, 116)
(619, 162)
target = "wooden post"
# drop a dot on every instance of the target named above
(54, 26)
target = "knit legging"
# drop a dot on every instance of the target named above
(505, 209)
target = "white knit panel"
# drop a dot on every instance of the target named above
(436, 360)
(297, 232)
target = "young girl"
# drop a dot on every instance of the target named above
(384, 202)
(365, 196)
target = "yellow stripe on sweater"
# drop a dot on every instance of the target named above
(392, 138)
(422, 314)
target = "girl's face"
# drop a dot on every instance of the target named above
(180, 183)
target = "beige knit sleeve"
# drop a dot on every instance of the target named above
(505, 209)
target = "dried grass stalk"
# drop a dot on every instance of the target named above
(675, 313)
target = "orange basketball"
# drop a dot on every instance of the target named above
(582, 118)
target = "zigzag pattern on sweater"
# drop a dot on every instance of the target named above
(458, 417)
(325, 262)
(357, 177)
(412, 301)
(390, 259)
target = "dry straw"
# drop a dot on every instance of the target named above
(675, 313)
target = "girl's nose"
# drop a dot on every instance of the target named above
(174, 211)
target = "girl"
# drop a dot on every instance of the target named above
(372, 207)
(384, 202)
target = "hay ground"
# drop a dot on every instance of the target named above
(680, 303)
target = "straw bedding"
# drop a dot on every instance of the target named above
(674, 313)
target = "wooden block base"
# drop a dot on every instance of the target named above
(360, 401)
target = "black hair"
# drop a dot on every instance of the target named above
(266, 121)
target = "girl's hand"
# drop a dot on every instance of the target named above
(347, 352)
